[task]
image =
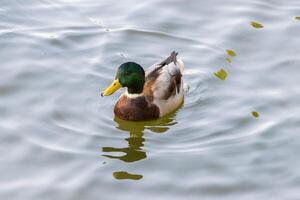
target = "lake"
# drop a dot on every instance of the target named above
(235, 136)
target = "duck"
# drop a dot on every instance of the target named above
(149, 94)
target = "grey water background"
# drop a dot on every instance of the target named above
(59, 139)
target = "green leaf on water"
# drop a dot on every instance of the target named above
(221, 74)
(255, 114)
(256, 25)
(231, 53)
(297, 18)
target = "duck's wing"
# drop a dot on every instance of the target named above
(164, 79)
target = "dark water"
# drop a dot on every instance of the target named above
(236, 138)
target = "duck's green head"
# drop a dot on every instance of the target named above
(130, 75)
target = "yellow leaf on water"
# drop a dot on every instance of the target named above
(126, 175)
(256, 25)
(231, 53)
(255, 114)
(297, 18)
(228, 60)
(221, 74)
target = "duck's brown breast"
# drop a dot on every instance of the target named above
(135, 109)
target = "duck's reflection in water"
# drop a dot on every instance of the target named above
(134, 151)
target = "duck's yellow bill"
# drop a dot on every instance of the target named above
(112, 88)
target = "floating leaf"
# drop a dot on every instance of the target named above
(126, 175)
(255, 114)
(221, 74)
(228, 60)
(256, 25)
(231, 53)
(297, 18)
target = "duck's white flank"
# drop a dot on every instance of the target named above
(171, 104)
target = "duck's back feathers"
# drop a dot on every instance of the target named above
(165, 81)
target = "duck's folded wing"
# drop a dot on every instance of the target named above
(165, 78)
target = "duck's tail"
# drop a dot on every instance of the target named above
(170, 59)
(173, 58)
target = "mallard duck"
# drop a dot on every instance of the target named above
(151, 94)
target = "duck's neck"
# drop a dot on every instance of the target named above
(133, 95)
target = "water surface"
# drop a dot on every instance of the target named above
(60, 139)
